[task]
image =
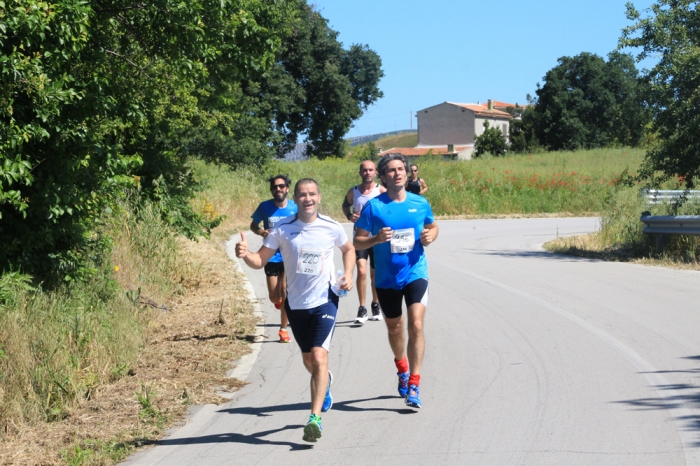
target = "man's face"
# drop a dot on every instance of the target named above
(395, 174)
(414, 171)
(368, 171)
(279, 190)
(307, 199)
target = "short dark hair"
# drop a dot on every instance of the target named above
(284, 178)
(414, 165)
(306, 181)
(384, 161)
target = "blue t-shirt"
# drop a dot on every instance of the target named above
(396, 270)
(268, 213)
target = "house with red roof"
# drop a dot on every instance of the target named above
(449, 129)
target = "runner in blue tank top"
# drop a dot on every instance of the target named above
(398, 225)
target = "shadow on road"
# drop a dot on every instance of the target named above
(515, 253)
(686, 395)
(251, 439)
(349, 405)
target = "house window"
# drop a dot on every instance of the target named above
(504, 130)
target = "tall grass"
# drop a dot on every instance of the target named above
(58, 346)
(621, 236)
(576, 183)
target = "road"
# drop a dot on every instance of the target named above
(531, 359)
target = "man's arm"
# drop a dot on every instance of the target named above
(423, 187)
(429, 234)
(255, 260)
(364, 241)
(255, 228)
(347, 203)
(348, 264)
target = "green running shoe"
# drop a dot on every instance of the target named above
(312, 430)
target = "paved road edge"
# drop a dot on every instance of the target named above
(241, 372)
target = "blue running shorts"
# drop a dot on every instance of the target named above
(313, 327)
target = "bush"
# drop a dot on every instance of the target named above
(491, 141)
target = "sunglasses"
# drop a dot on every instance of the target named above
(275, 187)
(414, 171)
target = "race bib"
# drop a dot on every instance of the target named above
(310, 262)
(402, 241)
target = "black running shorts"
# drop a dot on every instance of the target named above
(274, 269)
(364, 254)
(414, 292)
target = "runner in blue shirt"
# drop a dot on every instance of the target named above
(270, 212)
(398, 225)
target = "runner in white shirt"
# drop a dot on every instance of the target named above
(355, 199)
(307, 241)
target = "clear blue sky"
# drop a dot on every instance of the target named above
(468, 50)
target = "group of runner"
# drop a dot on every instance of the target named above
(391, 229)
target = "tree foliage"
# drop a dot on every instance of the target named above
(588, 102)
(317, 89)
(522, 128)
(491, 141)
(670, 32)
(97, 96)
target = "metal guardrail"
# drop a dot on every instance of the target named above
(668, 196)
(671, 224)
(662, 225)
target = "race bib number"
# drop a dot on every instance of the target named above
(310, 262)
(402, 241)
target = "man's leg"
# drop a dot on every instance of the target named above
(397, 337)
(375, 298)
(391, 302)
(273, 290)
(316, 362)
(361, 263)
(282, 292)
(416, 341)
(275, 286)
(362, 281)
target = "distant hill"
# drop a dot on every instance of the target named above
(398, 140)
(401, 138)
(375, 137)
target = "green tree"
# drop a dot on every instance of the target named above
(669, 32)
(522, 128)
(491, 141)
(98, 96)
(318, 88)
(587, 102)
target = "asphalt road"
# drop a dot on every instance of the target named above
(531, 359)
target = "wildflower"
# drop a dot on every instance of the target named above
(116, 268)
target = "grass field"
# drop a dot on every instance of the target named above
(570, 183)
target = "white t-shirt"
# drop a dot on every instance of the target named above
(307, 251)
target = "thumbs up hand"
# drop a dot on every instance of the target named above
(242, 247)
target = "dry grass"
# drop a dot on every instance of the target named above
(593, 246)
(189, 348)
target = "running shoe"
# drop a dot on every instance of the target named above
(328, 400)
(312, 430)
(376, 313)
(413, 397)
(284, 336)
(403, 384)
(361, 315)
